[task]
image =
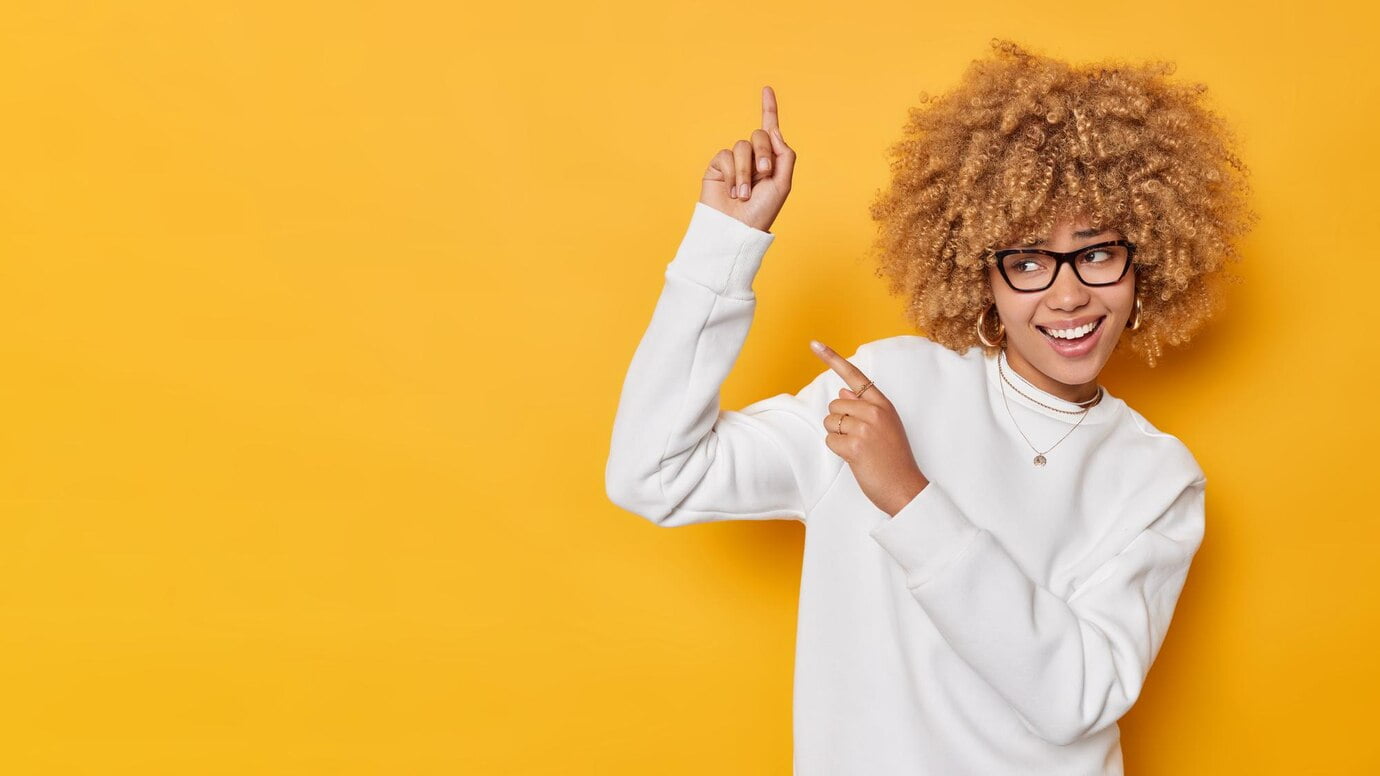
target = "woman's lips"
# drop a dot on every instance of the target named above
(1076, 348)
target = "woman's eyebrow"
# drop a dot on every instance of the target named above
(1081, 233)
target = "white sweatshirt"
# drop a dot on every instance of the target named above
(1004, 619)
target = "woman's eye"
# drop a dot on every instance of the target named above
(1087, 257)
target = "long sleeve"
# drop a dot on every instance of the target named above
(676, 457)
(1069, 668)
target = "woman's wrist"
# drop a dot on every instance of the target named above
(908, 492)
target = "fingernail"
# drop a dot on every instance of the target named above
(733, 192)
(747, 191)
(762, 164)
(817, 346)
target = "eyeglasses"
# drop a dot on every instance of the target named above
(1033, 269)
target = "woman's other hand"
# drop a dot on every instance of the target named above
(750, 182)
(872, 440)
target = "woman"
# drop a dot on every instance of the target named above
(994, 543)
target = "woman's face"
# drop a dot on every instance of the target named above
(1067, 372)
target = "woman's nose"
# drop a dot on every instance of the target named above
(1067, 290)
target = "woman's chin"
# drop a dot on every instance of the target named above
(1081, 374)
(1077, 371)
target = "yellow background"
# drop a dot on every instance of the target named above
(315, 317)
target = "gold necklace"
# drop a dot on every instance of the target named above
(1084, 403)
(1083, 413)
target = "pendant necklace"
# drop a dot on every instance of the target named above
(1083, 413)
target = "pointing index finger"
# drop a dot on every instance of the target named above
(769, 117)
(852, 376)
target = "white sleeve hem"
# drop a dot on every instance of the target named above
(720, 253)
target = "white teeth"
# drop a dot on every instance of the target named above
(1072, 333)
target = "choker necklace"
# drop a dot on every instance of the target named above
(1083, 413)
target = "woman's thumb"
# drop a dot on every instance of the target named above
(784, 166)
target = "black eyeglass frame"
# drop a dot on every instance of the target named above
(1063, 258)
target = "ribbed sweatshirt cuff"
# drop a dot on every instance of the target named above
(720, 253)
(926, 535)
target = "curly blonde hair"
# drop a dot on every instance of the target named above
(1025, 140)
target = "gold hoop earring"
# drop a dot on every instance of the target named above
(1136, 324)
(981, 324)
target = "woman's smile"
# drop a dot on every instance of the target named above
(1075, 347)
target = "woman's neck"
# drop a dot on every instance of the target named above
(1077, 394)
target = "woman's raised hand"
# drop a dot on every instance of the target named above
(751, 181)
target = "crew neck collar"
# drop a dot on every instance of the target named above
(1099, 413)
